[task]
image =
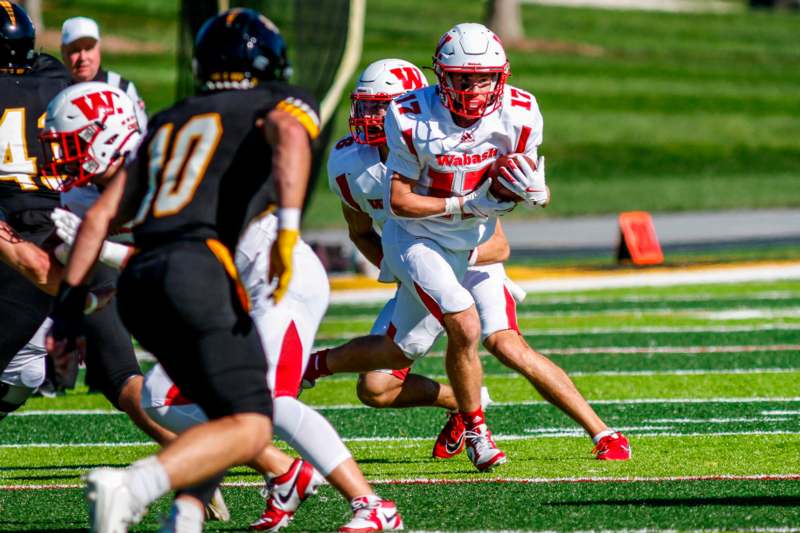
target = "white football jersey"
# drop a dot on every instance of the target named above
(444, 159)
(80, 199)
(357, 175)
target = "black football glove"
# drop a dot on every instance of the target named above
(65, 342)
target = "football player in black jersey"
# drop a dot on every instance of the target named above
(205, 167)
(27, 83)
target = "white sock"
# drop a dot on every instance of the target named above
(369, 498)
(148, 480)
(190, 516)
(605, 433)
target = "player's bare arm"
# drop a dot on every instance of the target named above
(291, 166)
(495, 250)
(29, 260)
(363, 234)
(291, 157)
(406, 203)
(99, 218)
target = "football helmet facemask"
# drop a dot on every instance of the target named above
(465, 54)
(237, 49)
(380, 82)
(17, 36)
(89, 126)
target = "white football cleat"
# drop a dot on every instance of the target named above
(177, 522)
(217, 510)
(373, 513)
(482, 450)
(111, 505)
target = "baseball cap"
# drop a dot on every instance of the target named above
(77, 27)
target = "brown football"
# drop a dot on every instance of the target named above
(496, 188)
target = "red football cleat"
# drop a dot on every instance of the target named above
(614, 447)
(450, 441)
(285, 494)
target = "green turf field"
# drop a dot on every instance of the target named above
(643, 110)
(705, 381)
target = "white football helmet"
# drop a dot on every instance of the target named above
(380, 82)
(471, 48)
(89, 126)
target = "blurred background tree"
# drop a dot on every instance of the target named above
(505, 19)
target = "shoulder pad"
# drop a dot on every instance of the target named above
(345, 158)
(520, 105)
(413, 105)
(345, 164)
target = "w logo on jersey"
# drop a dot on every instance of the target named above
(92, 104)
(410, 77)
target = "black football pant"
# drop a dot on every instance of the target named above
(110, 357)
(178, 301)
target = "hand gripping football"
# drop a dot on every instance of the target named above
(498, 190)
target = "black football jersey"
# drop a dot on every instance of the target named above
(23, 100)
(206, 165)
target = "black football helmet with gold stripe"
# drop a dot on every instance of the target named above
(17, 37)
(237, 49)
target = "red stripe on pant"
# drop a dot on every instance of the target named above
(511, 310)
(290, 363)
(174, 397)
(401, 374)
(430, 304)
(391, 331)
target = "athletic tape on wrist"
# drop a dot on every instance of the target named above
(452, 205)
(289, 218)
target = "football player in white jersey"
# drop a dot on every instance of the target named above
(356, 173)
(292, 324)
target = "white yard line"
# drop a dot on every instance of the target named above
(650, 350)
(740, 313)
(619, 373)
(474, 480)
(666, 329)
(568, 432)
(334, 407)
(688, 350)
(323, 339)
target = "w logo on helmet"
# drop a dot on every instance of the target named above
(410, 77)
(92, 104)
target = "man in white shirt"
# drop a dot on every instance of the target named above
(80, 51)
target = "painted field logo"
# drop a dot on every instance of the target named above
(460, 160)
